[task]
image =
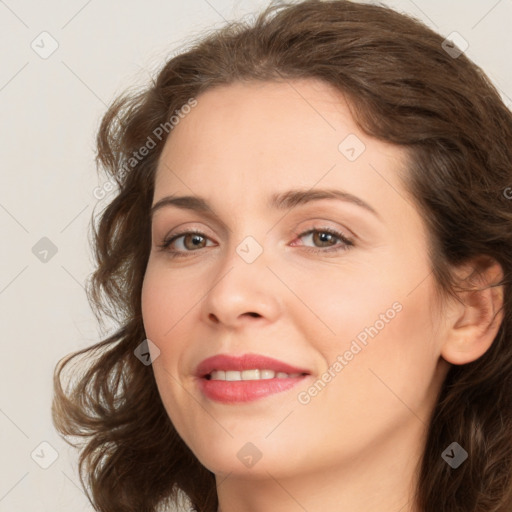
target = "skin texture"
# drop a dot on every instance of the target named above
(356, 443)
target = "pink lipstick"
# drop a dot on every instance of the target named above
(228, 379)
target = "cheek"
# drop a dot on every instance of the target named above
(166, 309)
(393, 357)
(378, 318)
(170, 302)
(164, 314)
(165, 300)
(381, 384)
(337, 303)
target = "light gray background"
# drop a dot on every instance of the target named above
(50, 111)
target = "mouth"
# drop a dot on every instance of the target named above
(229, 379)
(251, 374)
(246, 367)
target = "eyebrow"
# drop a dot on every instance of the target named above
(280, 201)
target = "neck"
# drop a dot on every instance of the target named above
(382, 479)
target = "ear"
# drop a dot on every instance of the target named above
(474, 322)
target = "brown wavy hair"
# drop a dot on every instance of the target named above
(403, 88)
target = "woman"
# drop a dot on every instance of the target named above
(311, 252)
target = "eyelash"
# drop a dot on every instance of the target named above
(347, 241)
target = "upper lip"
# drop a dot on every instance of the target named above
(244, 362)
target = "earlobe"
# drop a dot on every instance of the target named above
(475, 322)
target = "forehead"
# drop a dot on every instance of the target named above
(262, 117)
(261, 137)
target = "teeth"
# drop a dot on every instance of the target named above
(232, 375)
(250, 375)
(267, 374)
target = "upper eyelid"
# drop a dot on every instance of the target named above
(311, 209)
(203, 231)
(327, 224)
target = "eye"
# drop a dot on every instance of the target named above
(192, 240)
(326, 237)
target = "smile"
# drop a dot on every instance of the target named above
(233, 375)
(230, 379)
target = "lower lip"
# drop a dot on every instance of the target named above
(231, 392)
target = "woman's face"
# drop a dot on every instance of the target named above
(359, 317)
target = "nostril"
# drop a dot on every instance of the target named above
(212, 317)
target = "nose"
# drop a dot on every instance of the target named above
(242, 293)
